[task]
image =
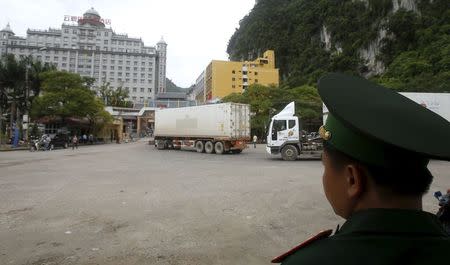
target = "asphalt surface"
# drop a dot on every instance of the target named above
(133, 204)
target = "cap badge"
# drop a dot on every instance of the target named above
(326, 135)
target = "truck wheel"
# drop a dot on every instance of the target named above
(219, 148)
(289, 153)
(236, 151)
(209, 147)
(199, 147)
(160, 145)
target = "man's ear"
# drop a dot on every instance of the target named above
(355, 180)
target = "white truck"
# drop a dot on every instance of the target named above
(214, 128)
(285, 136)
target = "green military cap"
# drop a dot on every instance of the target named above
(379, 126)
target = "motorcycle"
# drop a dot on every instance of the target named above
(443, 213)
(41, 145)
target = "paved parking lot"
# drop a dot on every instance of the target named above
(132, 204)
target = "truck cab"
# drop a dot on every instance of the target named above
(284, 134)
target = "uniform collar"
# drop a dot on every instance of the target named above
(393, 221)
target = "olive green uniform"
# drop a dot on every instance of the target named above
(380, 236)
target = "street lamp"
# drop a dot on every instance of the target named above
(27, 91)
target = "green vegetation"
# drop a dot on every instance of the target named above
(16, 94)
(267, 101)
(67, 95)
(114, 97)
(172, 87)
(415, 52)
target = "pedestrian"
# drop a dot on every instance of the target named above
(84, 139)
(255, 138)
(74, 142)
(377, 145)
(91, 138)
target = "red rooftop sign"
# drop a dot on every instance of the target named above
(76, 18)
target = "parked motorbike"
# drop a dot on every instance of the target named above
(444, 211)
(40, 144)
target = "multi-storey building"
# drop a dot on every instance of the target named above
(222, 78)
(86, 46)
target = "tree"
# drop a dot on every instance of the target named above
(267, 101)
(67, 95)
(114, 97)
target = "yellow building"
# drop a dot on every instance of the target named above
(222, 78)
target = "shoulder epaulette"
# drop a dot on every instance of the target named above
(321, 235)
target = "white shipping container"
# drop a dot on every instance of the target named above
(219, 121)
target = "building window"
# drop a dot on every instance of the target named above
(112, 67)
(149, 90)
(134, 89)
(74, 31)
(233, 79)
(256, 80)
(113, 61)
(141, 99)
(106, 33)
(233, 72)
(105, 42)
(142, 90)
(134, 98)
(256, 73)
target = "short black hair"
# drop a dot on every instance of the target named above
(400, 179)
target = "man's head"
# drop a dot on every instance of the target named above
(351, 185)
(376, 146)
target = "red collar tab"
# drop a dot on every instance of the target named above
(321, 235)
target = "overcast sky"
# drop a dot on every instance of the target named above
(196, 31)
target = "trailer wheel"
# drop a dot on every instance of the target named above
(209, 147)
(289, 153)
(160, 145)
(219, 148)
(236, 151)
(199, 147)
